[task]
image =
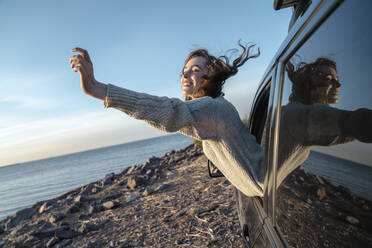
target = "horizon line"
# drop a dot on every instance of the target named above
(92, 149)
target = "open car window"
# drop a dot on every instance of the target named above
(259, 114)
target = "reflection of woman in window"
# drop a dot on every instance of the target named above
(314, 83)
(309, 120)
(205, 115)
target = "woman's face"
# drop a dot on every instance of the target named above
(325, 82)
(192, 75)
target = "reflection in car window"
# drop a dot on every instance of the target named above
(324, 154)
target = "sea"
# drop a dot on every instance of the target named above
(24, 184)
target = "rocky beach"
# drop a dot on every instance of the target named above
(171, 201)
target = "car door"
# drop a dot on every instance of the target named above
(320, 195)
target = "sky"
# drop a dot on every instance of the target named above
(140, 45)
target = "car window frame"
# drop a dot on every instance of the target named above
(300, 33)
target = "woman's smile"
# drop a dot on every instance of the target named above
(192, 75)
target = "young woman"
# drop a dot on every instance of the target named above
(205, 115)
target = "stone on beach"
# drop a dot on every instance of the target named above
(88, 227)
(110, 204)
(132, 197)
(51, 242)
(46, 232)
(56, 217)
(61, 232)
(131, 170)
(109, 179)
(21, 215)
(74, 208)
(352, 220)
(80, 198)
(147, 192)
(95, 209)
(169, 174)
(321, 193)
(135, 181)
(66, 234)
(64, 243)
(162, 187)
(46, 205)
(113, 196)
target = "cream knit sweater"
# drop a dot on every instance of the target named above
(227, 142)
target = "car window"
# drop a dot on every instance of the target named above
(324, 172)
(259, 115)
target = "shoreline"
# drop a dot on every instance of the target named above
(40, 180)
(142, 206)
(171, 201)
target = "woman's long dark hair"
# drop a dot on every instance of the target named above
(219, 69)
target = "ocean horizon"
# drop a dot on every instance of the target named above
(24, 184)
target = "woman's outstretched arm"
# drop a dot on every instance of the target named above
(194, 118)
(83, 64)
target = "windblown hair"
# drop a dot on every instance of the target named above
(301, 78)
(219, 69)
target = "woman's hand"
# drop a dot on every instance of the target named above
(82, 63)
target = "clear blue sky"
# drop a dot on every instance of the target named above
(139, 44)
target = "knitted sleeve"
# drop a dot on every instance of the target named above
(317, 124)
(192, 118)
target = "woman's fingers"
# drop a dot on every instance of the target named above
(83, 53)
(82, 63)
(77, 61)
(76, 58)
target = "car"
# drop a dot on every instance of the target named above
(312, 114)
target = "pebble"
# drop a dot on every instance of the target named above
(79, 198)
(95, 209)
(56, 217)
(51, 242)
(162, 187)
(39, 245)
(320, 180)
(109, 179)
(87, 189)
(135, 181)
(132, 197)
(64, 243)
(66, 234)
(44, 207)
(88, 227)
(110, 204)
(46, 232)
(147, 192)
(21, 215)
(131, 169)
(113, 196)
(352, 220)
(321, 193)
(169, 174)
(73, 208)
